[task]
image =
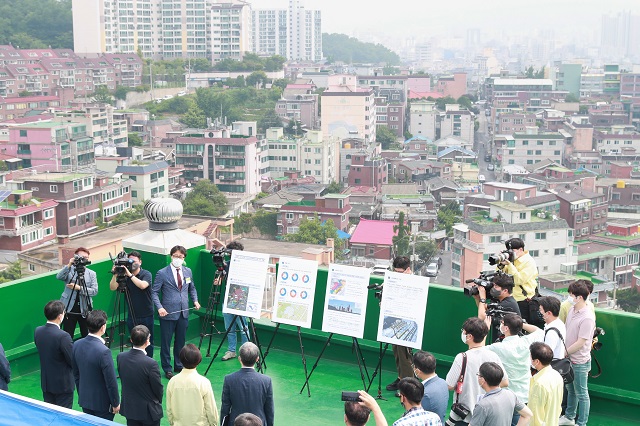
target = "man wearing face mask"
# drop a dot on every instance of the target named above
(175, 282)
(500, 293)
(139, 288)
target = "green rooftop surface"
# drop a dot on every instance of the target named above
(301, 203)
(324, 407)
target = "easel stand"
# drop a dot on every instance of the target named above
(361, 364)
(226, 333)
(304, 359)
(208, 323)
(378, 370)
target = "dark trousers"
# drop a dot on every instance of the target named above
(404, 359)
(102, 414)
(74, 317)
(59, 399)
(147, 322)
(176, 329)
(141, 423)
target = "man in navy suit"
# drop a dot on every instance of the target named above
(55, 347)
(436, 390)
(176, 284)
(141, 385)
(247, 391)
(93, 370)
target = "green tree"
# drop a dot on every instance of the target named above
(401, 239)
(441, 102)
(194, 118)
(134, 139)
(281, 83)
(102, 95)
(314, 232)
(340, 47)
(571, 98)
(32, 24)
(426, 249)
(385, 136)
(268, 120)
(266, 222)
(257, 78)
(205, 200)
(583, 110)
(137, 212)
(11, 272)
(628, 300)
(121, 92)
(334, 188)
(448, 215)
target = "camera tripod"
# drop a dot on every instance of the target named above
(213, 304)
(79, 270)
(119, 313)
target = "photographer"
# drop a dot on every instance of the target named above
(525, 272)
(501, 294)
(232, 337)
(402, 355)
(138, 286)
(77, 308)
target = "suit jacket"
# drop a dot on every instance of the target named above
(68, 274)
(436, 397)
(94, 374)
(247, 391)
(55, 349)
(141, 386)
(172, 299)
(5, 370)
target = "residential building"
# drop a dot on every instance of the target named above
(424, 118)
(16, 107)
(566, 77)
(283, 152)
(617, 36)
(300, 107)
(422, 146)
(616, 139)
(319, 157)
(630, 85)
(531, 147)
(230, 28)
(334, 207)
(500, 87)
(373, 239)
(349, 112)
(101, 124)
(591, 84)
(367, 170)
(459, 123)
(148, 179)
(515, 123)
(26, 222)
(548, 241)
(585, 211)
(452, 85)
(608, 262)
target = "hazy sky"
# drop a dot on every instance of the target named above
(432, 17)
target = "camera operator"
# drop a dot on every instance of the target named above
(232, 337)
(138, 285)
(402, 355)
(524, 271)
(77, 308)
(500, 293)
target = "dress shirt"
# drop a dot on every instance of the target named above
(417, 416)
(545, 397)
(551, 337)
(190, 400)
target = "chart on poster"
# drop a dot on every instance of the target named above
(402, 309)
(295, 290)
(345, 304)
(245, 283)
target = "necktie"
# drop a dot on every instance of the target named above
(179, 279)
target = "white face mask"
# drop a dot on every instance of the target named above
(503, 330)
(571, 300)
(177, 262)
(463, 337)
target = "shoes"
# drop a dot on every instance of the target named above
(228, 355)
(168, 374)
(393, 385)
(565, 421)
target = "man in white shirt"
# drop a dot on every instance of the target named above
(513, 351)
(554, 329)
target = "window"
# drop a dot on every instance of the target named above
(288, 216)
(48, 214)
(23, 133)
(48, 231)
(534, 253)
(523, 215)
(559, 251)
(541, 236)
(53, 188)
(494, 239)
(32, 267)
(134, 194)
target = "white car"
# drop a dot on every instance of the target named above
(481, 178)
(432, 270)
(168, 97)
(182, 93)
(490, 167)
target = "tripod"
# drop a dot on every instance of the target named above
(79, 281)
(119, 312)
(378, 370)
(304, 359)
(232, 326)
(208, 324)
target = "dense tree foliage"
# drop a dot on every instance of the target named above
(448, 215)
(264, 221)
(128, 215)
(628, 300)
(36, 24)
(341, 47)
(334, 188)
(401, 239)
(205, 200)
(134, 139)
(11, 272)
(385, 136)
(251, 62)
(315, 232)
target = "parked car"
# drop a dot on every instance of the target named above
(182, 93)
(487, 157)
(481, 178)
(490, 167)
(168, 97)
(438, 260)
(432, 270)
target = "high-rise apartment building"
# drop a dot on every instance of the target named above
(295, 33)
(619, 36)
(230, 29)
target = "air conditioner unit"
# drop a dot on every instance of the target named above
(220, 177)
(221, 167)
(196, 178)
(217, 154)
(200, 167)
(199, 152)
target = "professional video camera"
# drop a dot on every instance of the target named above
(80, 263)
(595, 345)
(497, 311)
(220, 256)
(495, 259)
(484, 279)
(378, 290)
(120, 263)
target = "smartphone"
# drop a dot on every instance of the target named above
(351, 396)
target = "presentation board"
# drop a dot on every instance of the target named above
(295, 291)
(345, 304)
(245, 283)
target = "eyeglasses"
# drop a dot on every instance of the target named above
(479, 375)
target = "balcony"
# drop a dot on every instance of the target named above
(471, 245)
(29, 228)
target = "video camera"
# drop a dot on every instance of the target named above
(378, 290)
(595, 345)
(484, 279)
(120, 263)
(497, 311)
(80, 263)
(220, 257)
(504, 255)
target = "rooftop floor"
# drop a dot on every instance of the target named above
(324, 407)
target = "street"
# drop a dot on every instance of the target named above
(482, 146)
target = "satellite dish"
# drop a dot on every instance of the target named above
(188, 184)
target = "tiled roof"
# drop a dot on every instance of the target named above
(374, 232)
(534, 201)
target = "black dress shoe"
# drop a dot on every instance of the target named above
(393, 385)
(168, 374)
